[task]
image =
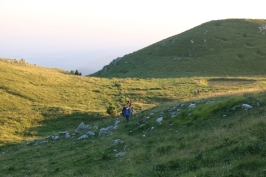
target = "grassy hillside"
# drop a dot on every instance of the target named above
(31, 96)
(207, 134)
(232, 47)
(212, 139)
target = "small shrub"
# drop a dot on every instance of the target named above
(105, 157)
(111, 110)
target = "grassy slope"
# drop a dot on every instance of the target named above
(37, 102)
(207, 144)
(33, 96)
(233, 47)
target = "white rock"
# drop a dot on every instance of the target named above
(82, 126)
(142, 125)
(104, 131)
(192, 106)
(115, 127)
(67, 136)
(90, 133)
(117, 141)
(120, 154)
(159, 120)
(117, 122)
(247, 106)
(83, 137)
(55, 137)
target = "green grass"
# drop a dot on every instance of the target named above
(216, 138)
(232, 146)
(232, 47)
(199, 141)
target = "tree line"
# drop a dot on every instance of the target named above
(76, 72)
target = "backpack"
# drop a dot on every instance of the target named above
(123, 111)
(127, 112)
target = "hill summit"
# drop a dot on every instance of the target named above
(230, 47)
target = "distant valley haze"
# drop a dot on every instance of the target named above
(83, 61)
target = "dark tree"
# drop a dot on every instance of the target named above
(76, 72)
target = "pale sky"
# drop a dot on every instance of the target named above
(70, 34)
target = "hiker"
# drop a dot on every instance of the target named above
(127, 113)
(123, 110)
(129, 103)
(197, 92)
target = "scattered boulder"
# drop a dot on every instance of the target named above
(67, 136)
(117, 141)
(236, 107)
(90, 133)
(105, 131)
(82, 126)
(246, 106)
(83, 137)
(262, 29)
(87, 135)
(191, 106)
(120, 154)
(117, 122)
(142, 125)
(55, 137)
(62, 133)
(174, 114)
(159, 120)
